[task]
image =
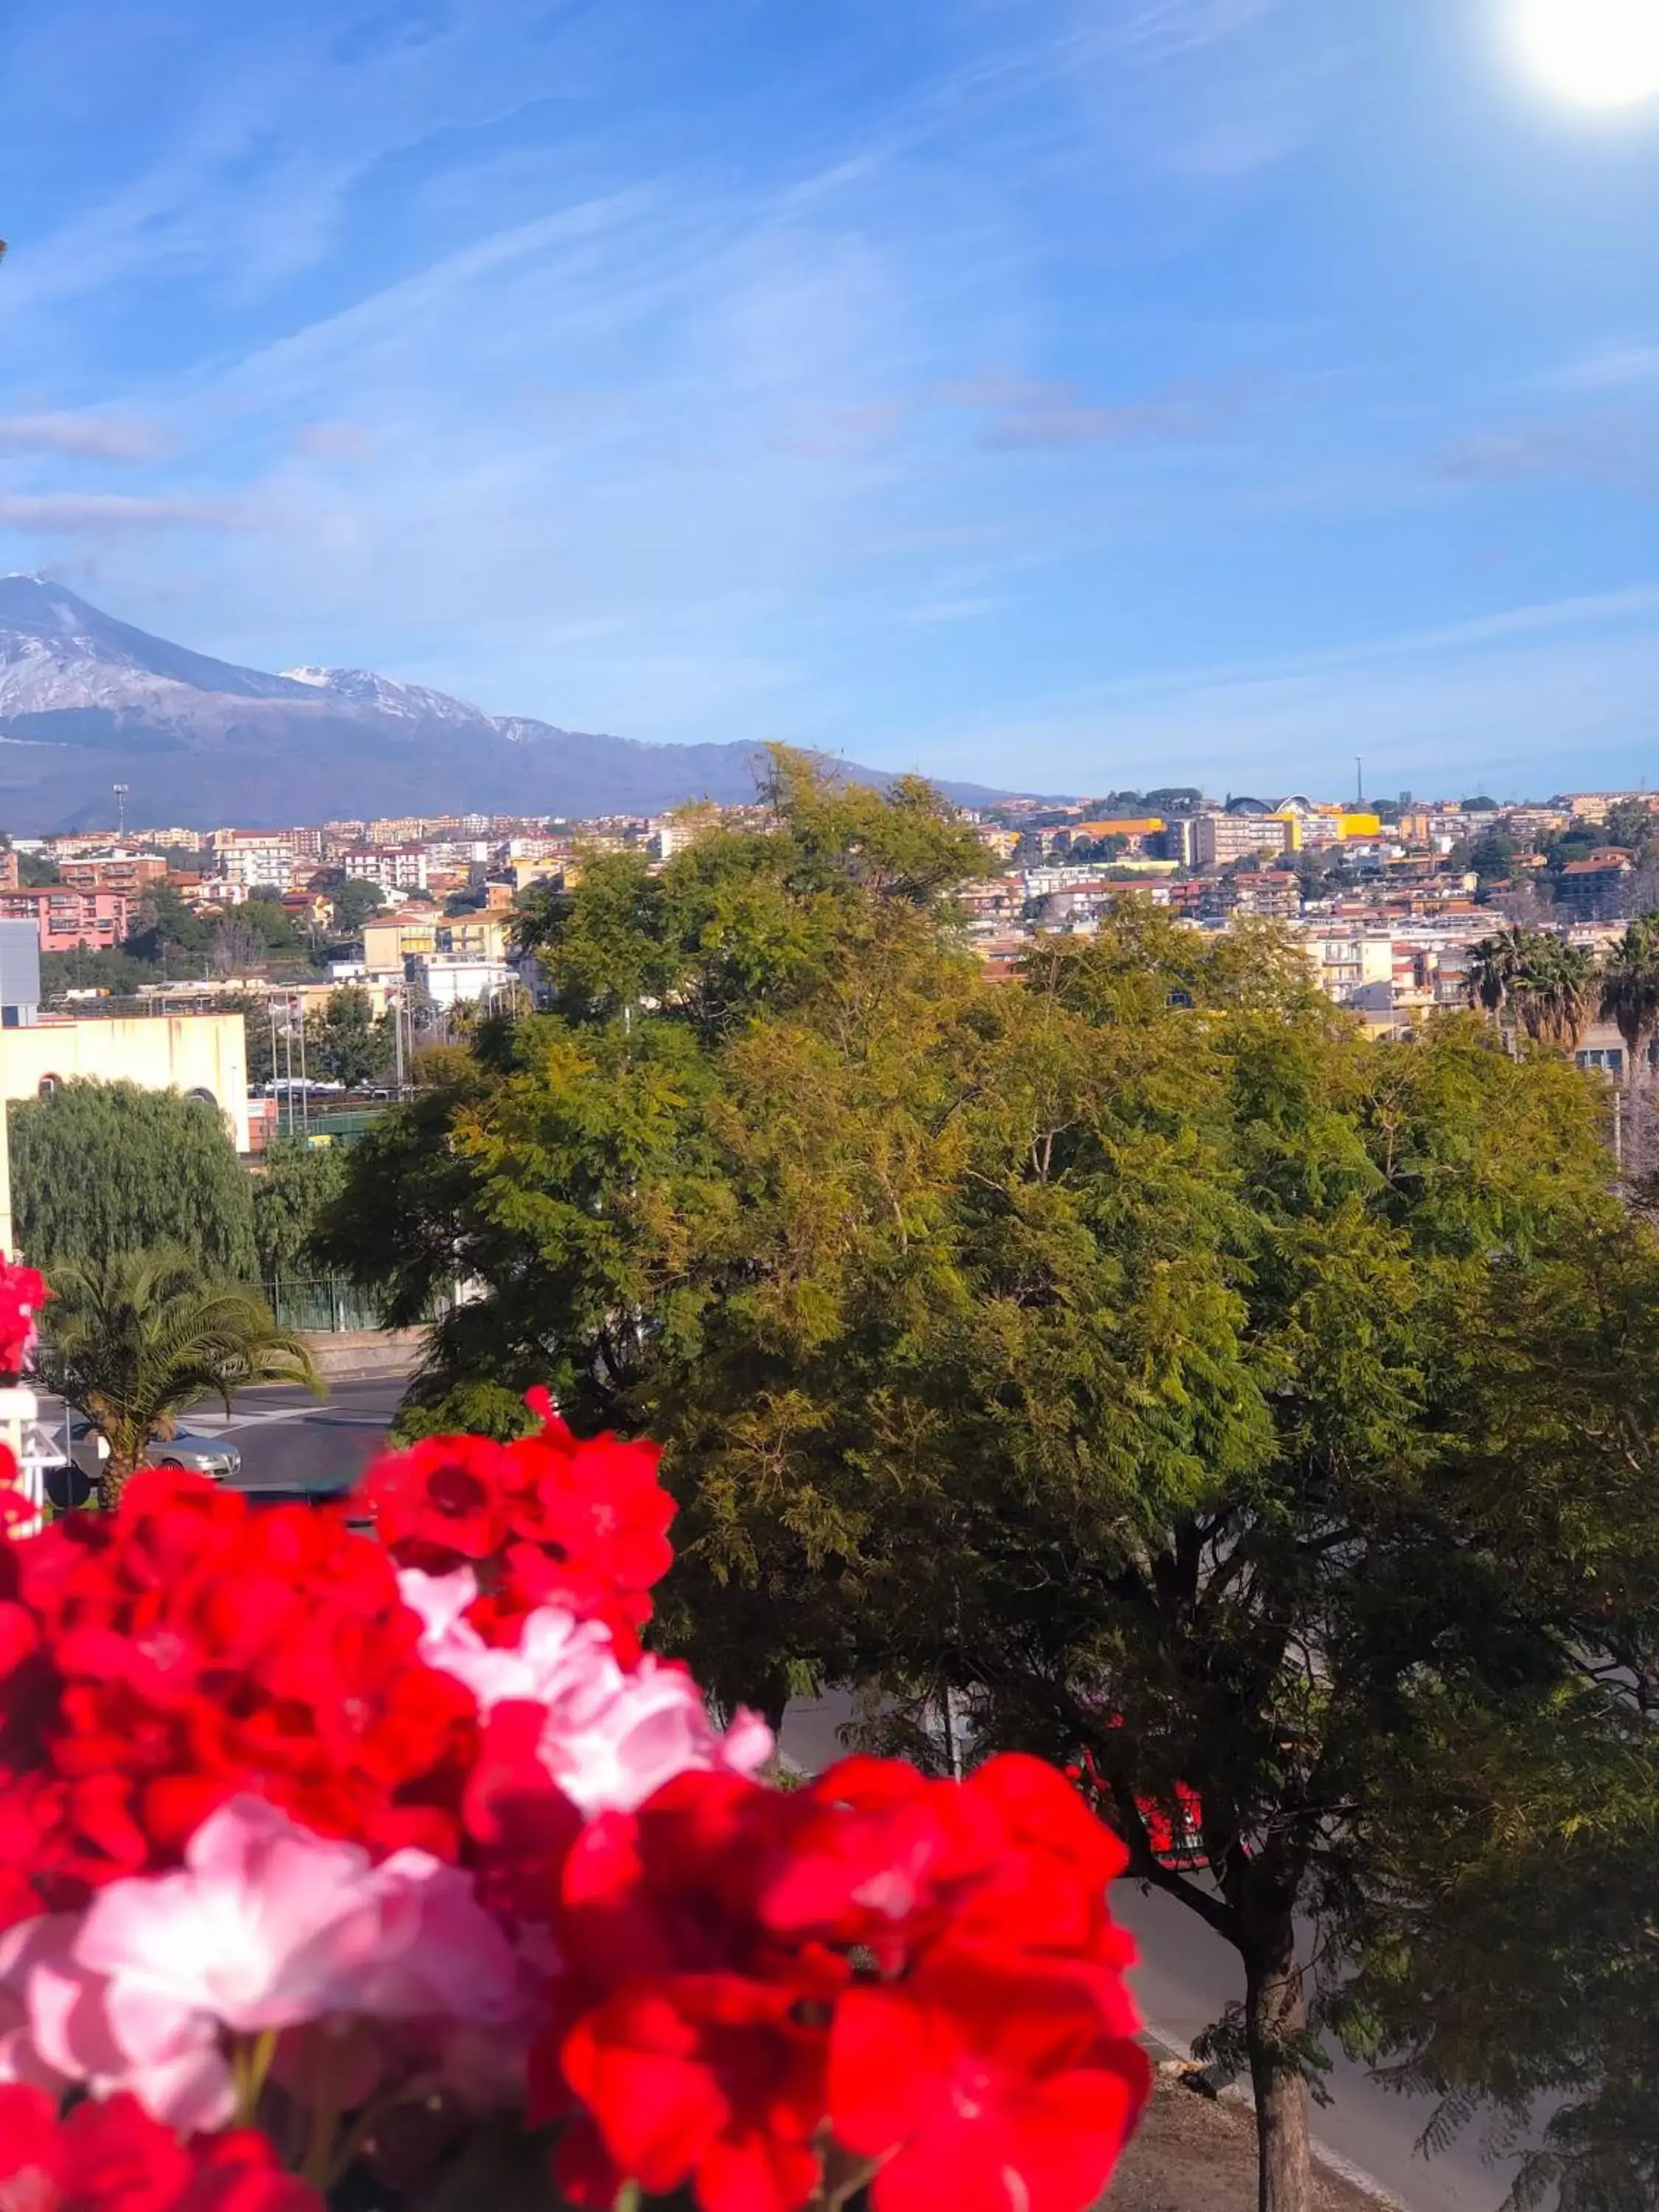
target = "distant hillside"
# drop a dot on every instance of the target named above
(87, 702)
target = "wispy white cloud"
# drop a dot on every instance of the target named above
(87, 435)
(1618, 448)
(60, 513)
(1023, 414)
(1610, 366)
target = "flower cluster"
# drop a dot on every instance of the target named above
(324, 1854)
(23, 1293)
(113, 2157)
(923, 1976)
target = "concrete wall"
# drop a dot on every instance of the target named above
(201, 1053)
(359, 1352)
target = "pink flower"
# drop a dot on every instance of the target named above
(29, 1944)
(68, 2027)
(612, 1737)
(266, 1926)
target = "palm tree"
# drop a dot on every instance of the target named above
(1557, 992)
(135, 1338)
(1630, 989)
(1494, 964)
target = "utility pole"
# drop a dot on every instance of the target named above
(120, 791)
(1359, 778)
(398, 1036)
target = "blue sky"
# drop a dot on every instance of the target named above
(1067, 393)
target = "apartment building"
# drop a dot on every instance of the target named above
(394, 867)
(66, 916)
(1595, 890)
(129, 873)
(1220, 838)
(1272, 893)
(1348, 961)
(255, 858)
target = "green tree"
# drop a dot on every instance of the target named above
(354, 900)
(345, 1043)
(1629, 825)
(255, 1011)
(1491, 856)
(37, 871)
(105, 967)
(1532, 981)
(1494, 966)
(107, 1167)
(1130, 1353)
(1556, 994)
(168, 932)
(270, 922)
(296, 1185)
(134, 1339)
(1630, 989)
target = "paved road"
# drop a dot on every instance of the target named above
(289, 1440)
(1186, 1976)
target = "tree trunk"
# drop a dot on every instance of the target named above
(1275, 2013)
(117, 1471)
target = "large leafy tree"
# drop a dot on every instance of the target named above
(108, 1167)
(1124, 1359)
(134, 1339)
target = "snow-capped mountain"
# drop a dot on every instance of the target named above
(57, 653)
(384, 695)
(85, 702)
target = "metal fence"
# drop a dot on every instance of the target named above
(314, 1305)
(321, 1304)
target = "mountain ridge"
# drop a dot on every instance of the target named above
(87, 700)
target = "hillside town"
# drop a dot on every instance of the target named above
(247, 939)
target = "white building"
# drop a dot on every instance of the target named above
(1349, 962)
(252, 857)
(394, 867)
(448, 978)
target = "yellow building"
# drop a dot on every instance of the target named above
(389, 938)
(1360, 825)
(480, 936)
(1140, 825)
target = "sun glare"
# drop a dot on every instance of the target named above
(1598, 53)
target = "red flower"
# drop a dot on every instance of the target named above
(671, 1889)
(589, 1522)
(549, 1520)
(520, 1823)
(1044, 1888)
(706, 2078)
(113, 2157)
(442, 1502)
(190, 1649)
(987, 2084)
(23, 1292)
(878, 1856)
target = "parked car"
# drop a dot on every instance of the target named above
(215, 1456)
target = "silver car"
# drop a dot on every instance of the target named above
(214, 1456)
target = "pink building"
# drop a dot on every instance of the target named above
(66, 915)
